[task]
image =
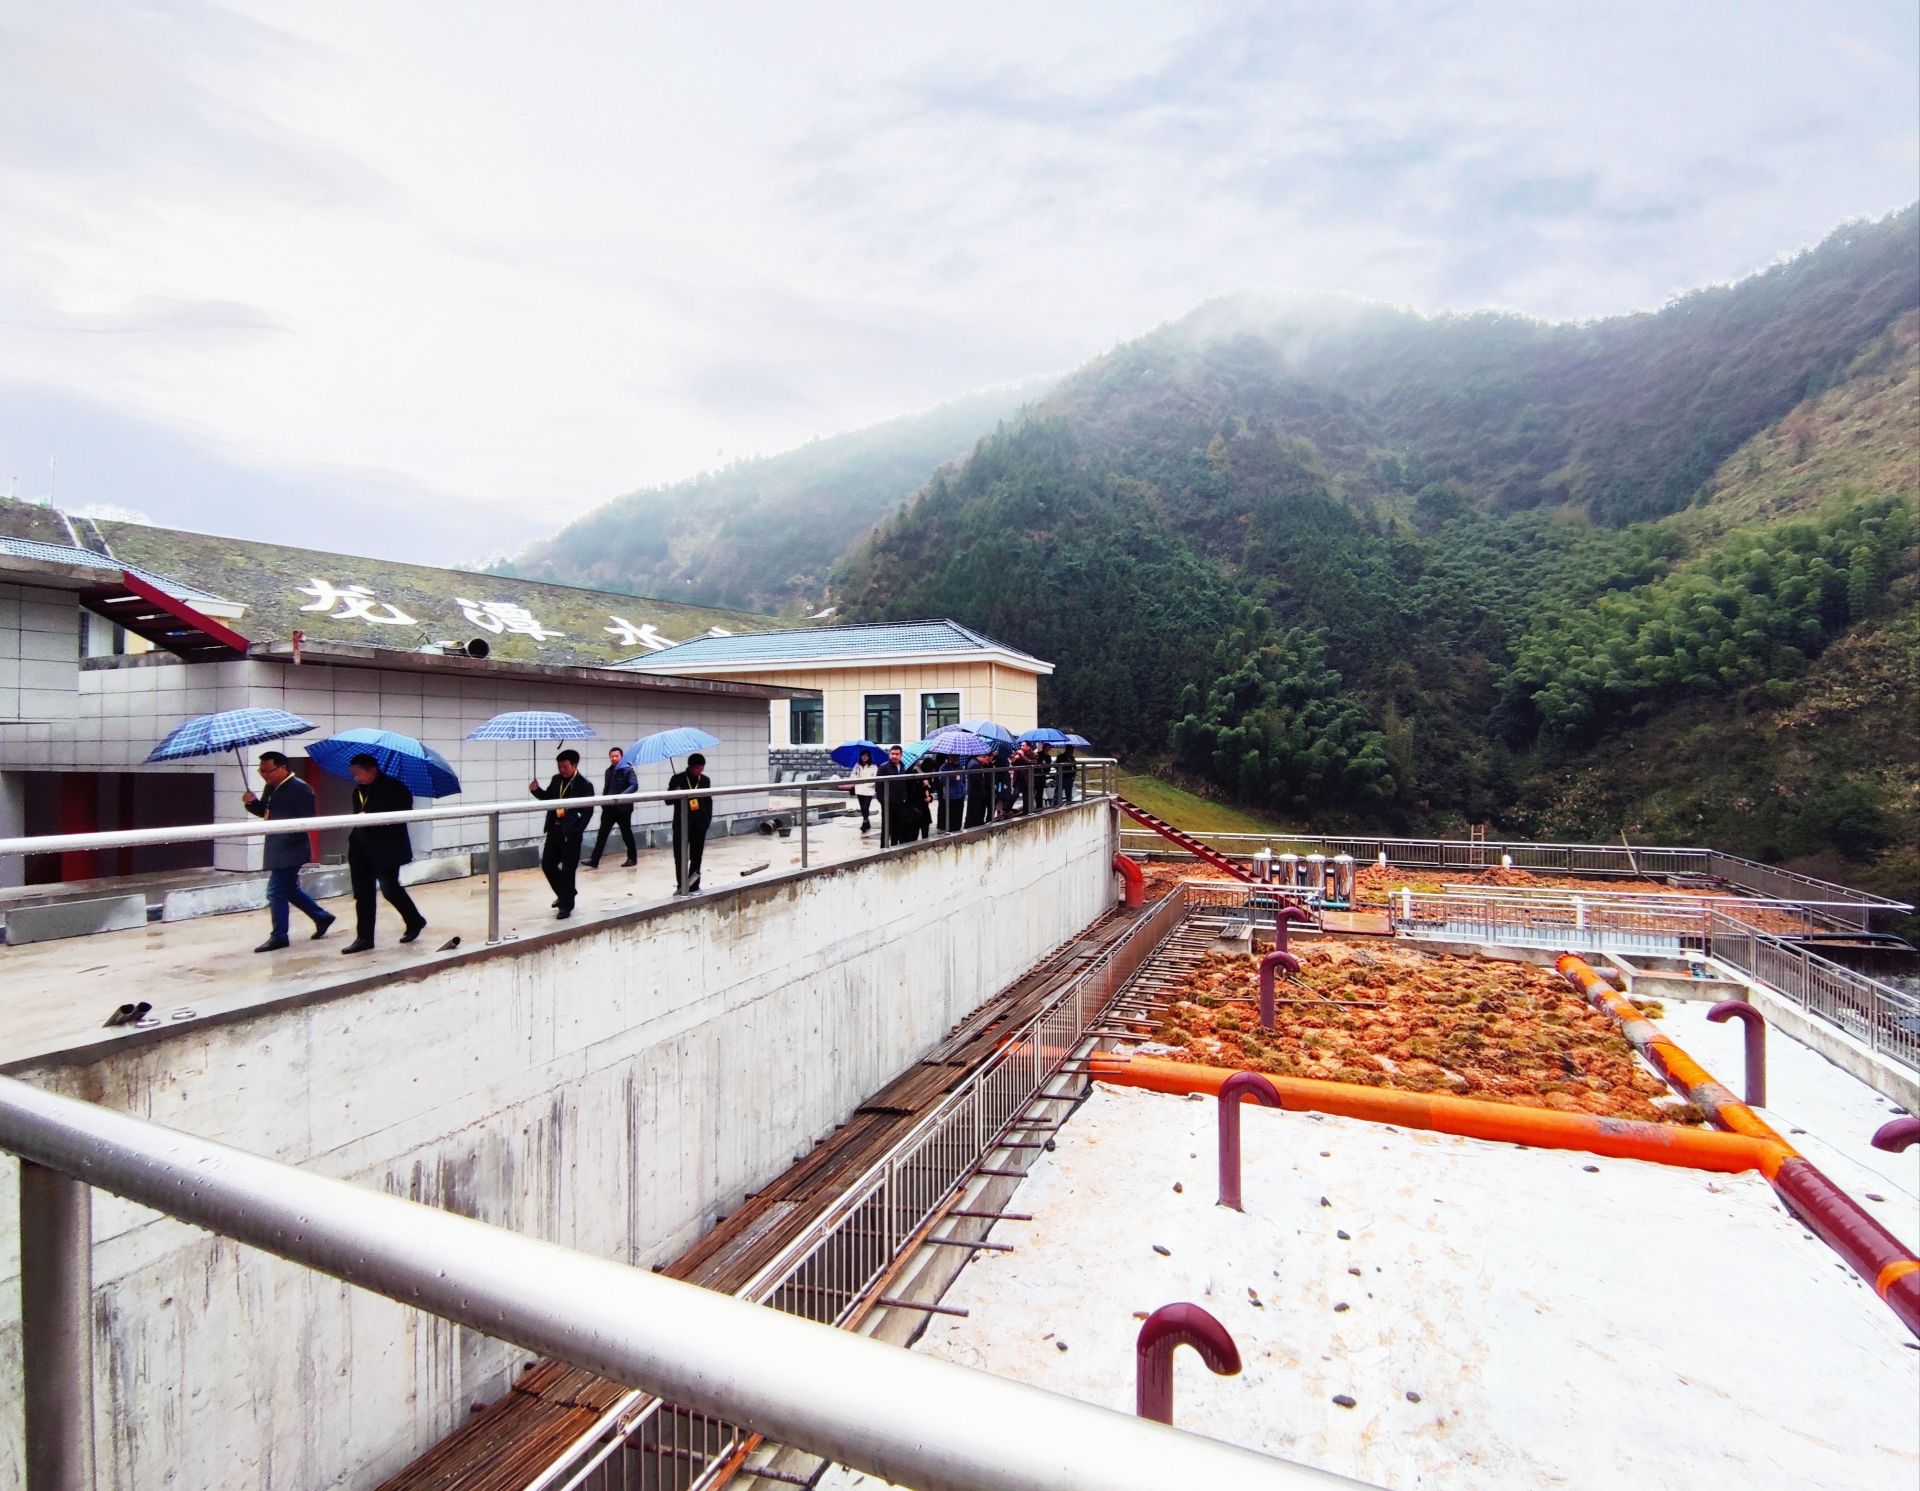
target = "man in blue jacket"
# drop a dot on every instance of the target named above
(286, 797)
(620, 779)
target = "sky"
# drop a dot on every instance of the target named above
(428, 280)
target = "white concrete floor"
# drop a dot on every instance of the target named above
(1501, 1317)
(54, 995)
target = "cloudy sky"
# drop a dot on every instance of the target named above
(425, 280)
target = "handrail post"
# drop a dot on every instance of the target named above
(803, 828)
(493, 878)
(56, 1328)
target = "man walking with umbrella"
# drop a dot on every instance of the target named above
(696, 813)
(620, 779)
(376, 853)
(286, 797)
(566, 827)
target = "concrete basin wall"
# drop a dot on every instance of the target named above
(615, 1088)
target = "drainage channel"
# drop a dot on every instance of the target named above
(857, 1233)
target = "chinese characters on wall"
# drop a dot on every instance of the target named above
(359, 603)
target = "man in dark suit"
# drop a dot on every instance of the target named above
(620, 779)
(691, 818)
(286, 797)
(376, 853)
(897, 796)
(566, 827)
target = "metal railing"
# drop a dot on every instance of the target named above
(1094, 781)
(1850, 907)
(1884, 1019)
(1574, 923)
(830, 1272)
(897, 1414)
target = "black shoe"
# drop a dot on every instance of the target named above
(628, 864)
(414, 931)
(323, 926)
(273, 945)
(563, 913)
(553, 903)
(359, 945)
(592, 864)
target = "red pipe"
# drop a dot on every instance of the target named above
(1136, 883)
(1278, 958)
(1288, 911)
(1161, 1334)
(1897, 1135)
(1239, 1085)
(1869, 1249)
(1756, 1024)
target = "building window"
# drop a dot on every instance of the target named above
(937, 710)
(806, 722)
(883, 719)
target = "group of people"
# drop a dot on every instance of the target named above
(954, 792)
(376, 852)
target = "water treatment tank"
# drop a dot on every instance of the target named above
(1289, 864)
(1315, 878)
(1343, 873)
(1263, 865)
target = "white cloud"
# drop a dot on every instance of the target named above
(520, 261)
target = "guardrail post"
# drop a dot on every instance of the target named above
(803, 828)
(1756, 1025)
(56, 1328)
(1239, 1085)
(1161, 1334)
(493, 877)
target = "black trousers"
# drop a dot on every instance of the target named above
(610, 819)
(979, 807)
(952, 811)
(691, 850)
(370, 882)
(559, 858)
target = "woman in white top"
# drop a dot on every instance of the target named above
(864, 784)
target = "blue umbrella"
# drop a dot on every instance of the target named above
(664, 745)
(1079, 742)
(910, 754)
(533, 724)
(953, 740)
(997, 733)
(1045, 735)
(210, 734)
(422, 769)
(848, 754)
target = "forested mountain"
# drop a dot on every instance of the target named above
(764, 534)
(1361, 565)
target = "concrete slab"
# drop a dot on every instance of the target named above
(75, 918)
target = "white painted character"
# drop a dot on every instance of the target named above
(504, 616)
(643, 635)
(356, 603)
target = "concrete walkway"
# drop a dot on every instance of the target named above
(54, 996)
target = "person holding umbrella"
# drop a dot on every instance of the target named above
(566, 827)
(697, 815)
(864, 772)
(286, 797)
(376, 853)
(620, 779)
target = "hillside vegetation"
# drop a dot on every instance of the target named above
(764, 534)
(1363, 567)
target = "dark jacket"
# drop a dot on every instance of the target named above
(566, 820)
(699, 809)
(619, 779)
(385, 846)
(293, 798)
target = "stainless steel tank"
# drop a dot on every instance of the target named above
(1289, 864)
(1263, 865)
(1343, 878)
(1315, 878)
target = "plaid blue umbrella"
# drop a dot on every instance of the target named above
(909, 755)
(999, 734)
(423, 770)
(1045, 735)
(533, 724)
(952, 740)
(664, 745)
(211, 734)
(848, 754)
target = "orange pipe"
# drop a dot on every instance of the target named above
(1543, 1128)
(1136, 894)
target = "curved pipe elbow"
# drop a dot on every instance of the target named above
(1897, 1135)
(1165, 1331)
(1136, 883)
(1278, 958)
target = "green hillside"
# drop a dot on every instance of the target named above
(764, 534)
(1355, 566)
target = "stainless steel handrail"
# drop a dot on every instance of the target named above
(892, 1413)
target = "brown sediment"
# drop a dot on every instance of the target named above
(1418, 1022)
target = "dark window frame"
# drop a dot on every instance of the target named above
(867, 716)
(929, 725)
(812, 710)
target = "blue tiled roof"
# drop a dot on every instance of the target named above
(28, 548)
(880, 639)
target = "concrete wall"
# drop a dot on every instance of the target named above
(987, 690)
(614, 1088)
(118, 714)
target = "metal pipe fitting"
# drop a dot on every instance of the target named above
(1756, 1025)
(1136, 883)
(1278, 958)
(1161, 1334)
(1240, 1085)
(1897, 1135)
